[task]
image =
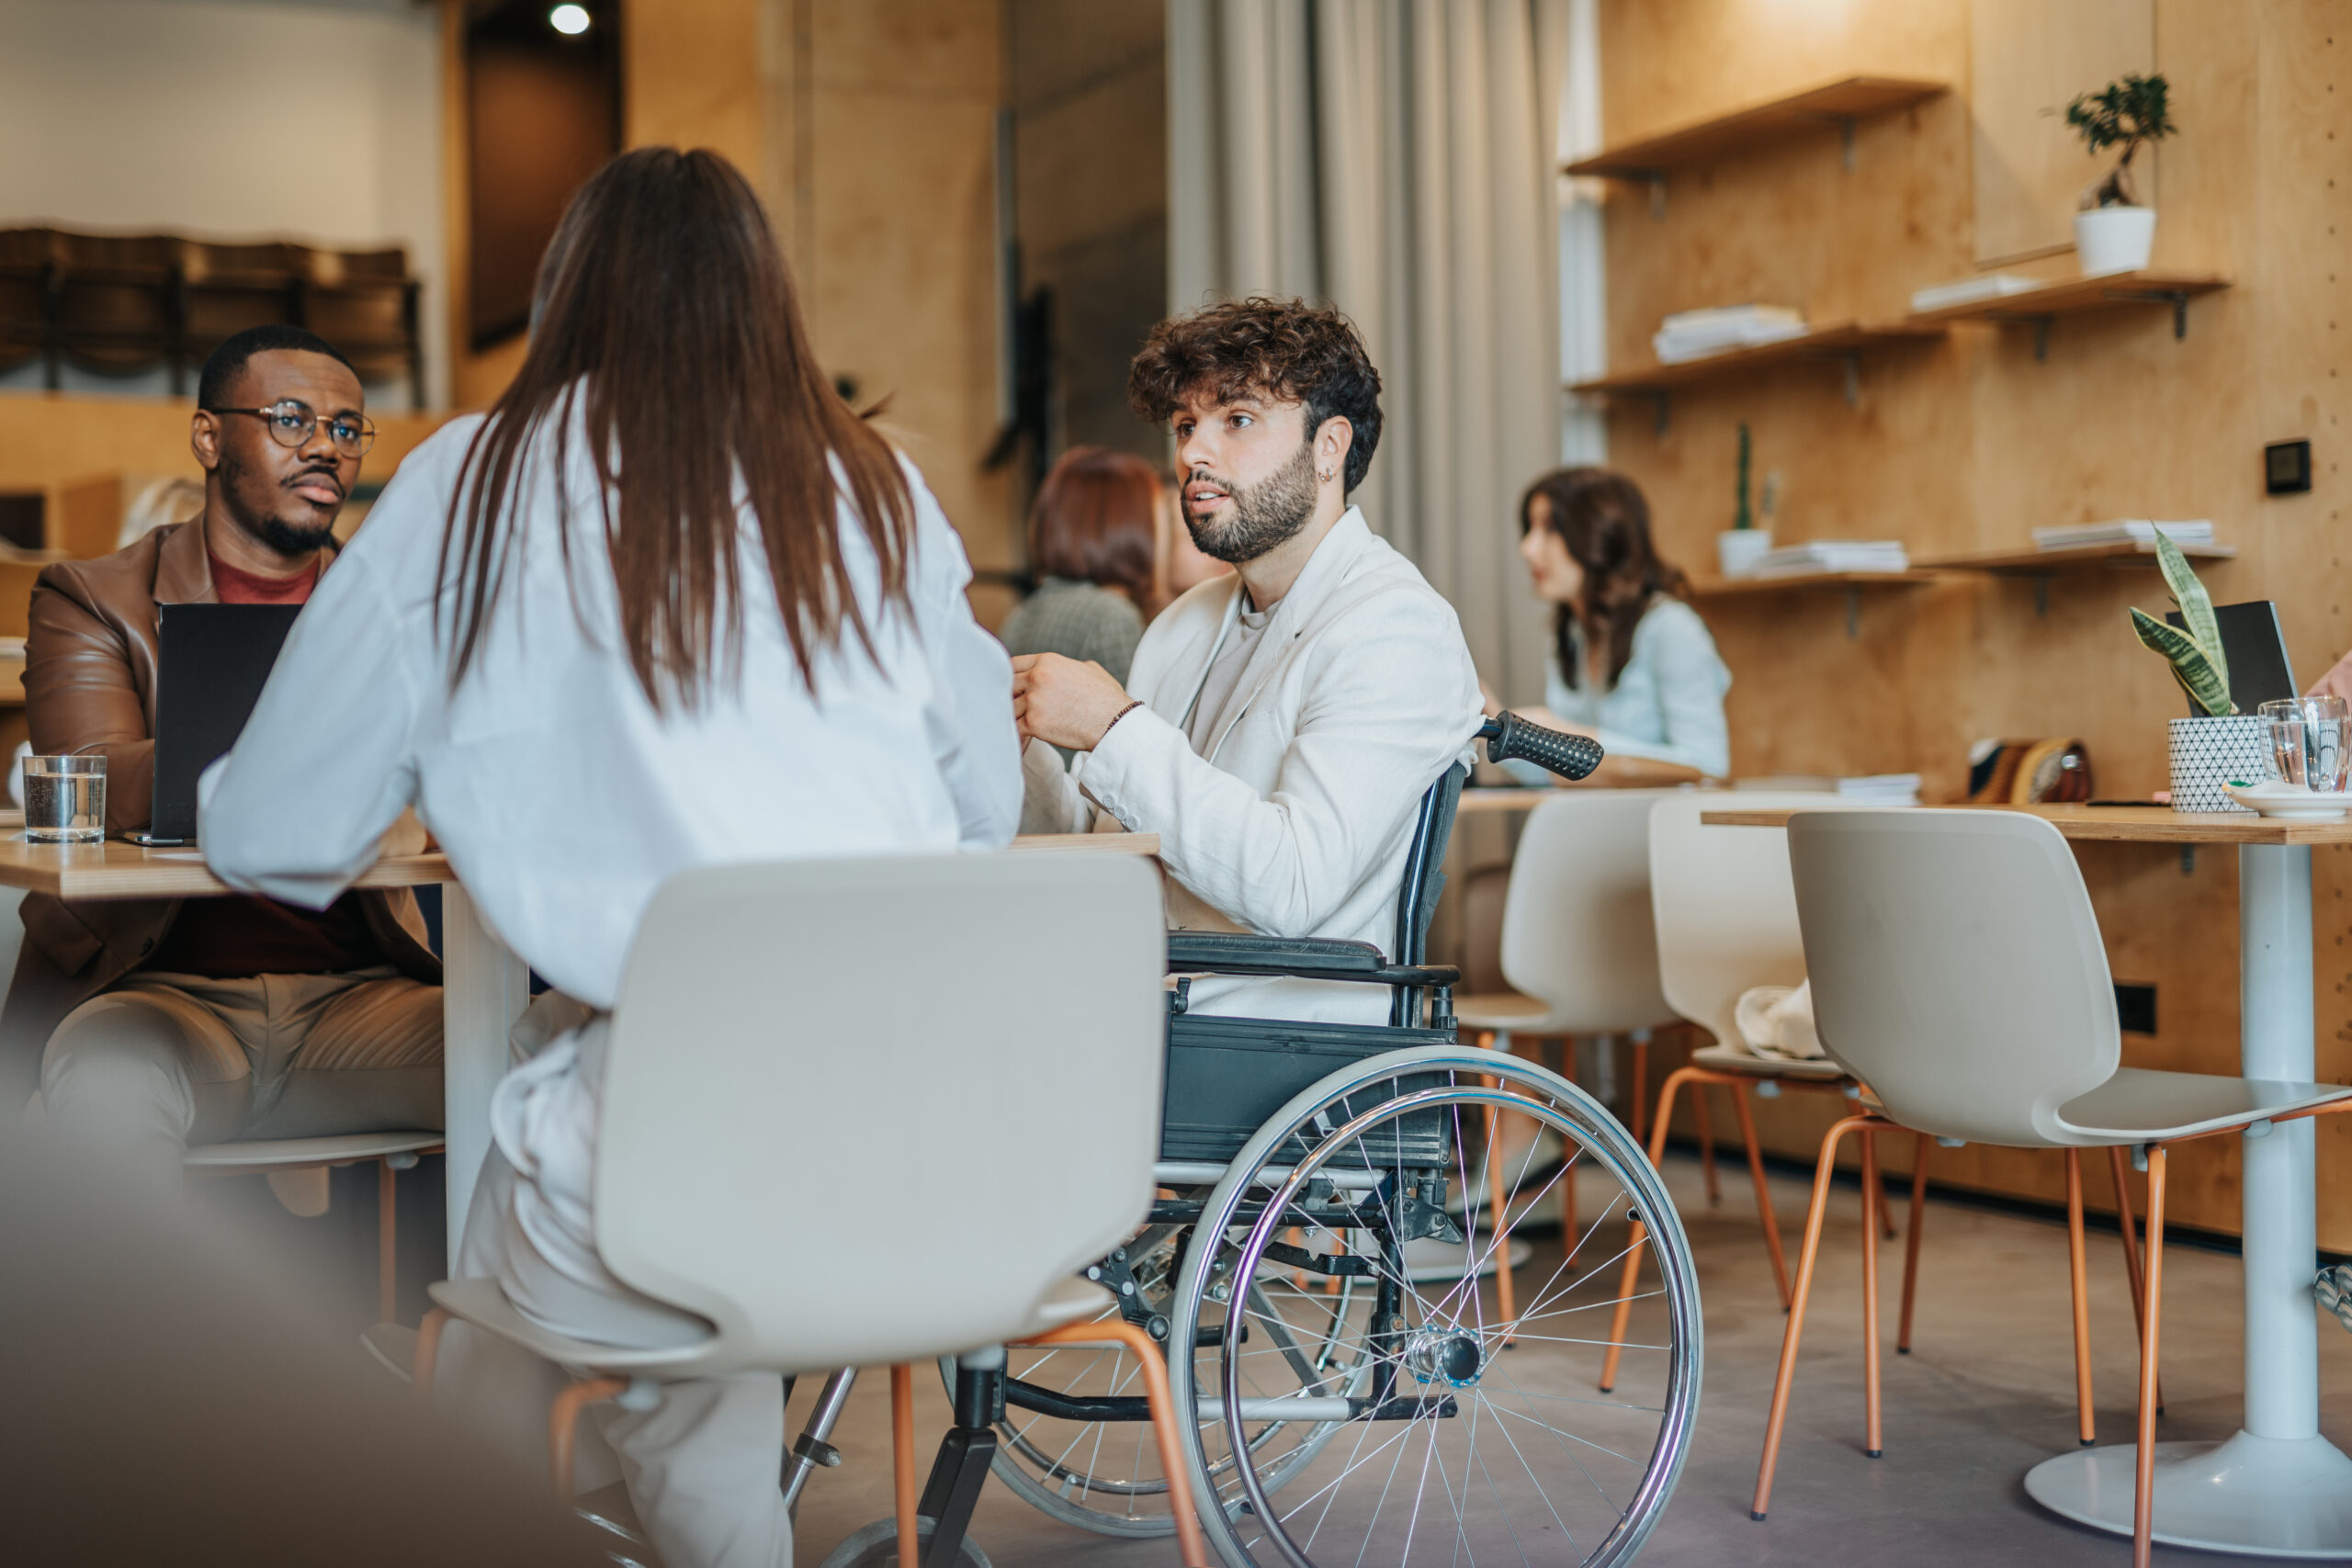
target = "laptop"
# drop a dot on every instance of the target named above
(2256, 648)
(211, 663)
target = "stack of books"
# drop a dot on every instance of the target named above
(2122, 531)
(1694, 334)
(1834, 555)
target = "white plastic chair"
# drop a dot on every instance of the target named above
(1578, 951)
(1957, 969)
(737, 1175)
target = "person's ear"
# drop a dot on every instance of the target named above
(1332, 443)
(204, 438)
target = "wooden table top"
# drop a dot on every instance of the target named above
(2120, 824)
(117, 869)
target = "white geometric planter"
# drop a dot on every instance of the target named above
(2114, 239)
(2209, 753)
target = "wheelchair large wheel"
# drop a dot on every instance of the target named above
(1451, 1450)
(1105, 1476)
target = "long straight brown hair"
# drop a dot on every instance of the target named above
(666, 314)
(1602, 518)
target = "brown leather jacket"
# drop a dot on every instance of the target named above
(90, 682)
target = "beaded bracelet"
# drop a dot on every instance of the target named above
(1115, 718)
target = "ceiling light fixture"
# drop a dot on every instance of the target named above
(568, 20)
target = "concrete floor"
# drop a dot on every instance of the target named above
(1987, 1393)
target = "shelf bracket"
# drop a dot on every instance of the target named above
(1853, 378)
(1853, 612)
(1662, 406)
(2042, 596)
(2176, 297)
(1846, 140)
(2041, 340)
(1658, 196)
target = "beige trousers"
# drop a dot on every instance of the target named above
(163, 1061)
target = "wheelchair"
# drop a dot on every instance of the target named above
(1319, 1267)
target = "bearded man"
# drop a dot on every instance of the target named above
(153, 1024)
(1280, 724)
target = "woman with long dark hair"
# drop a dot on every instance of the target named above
(669, 603)
(1632, 663)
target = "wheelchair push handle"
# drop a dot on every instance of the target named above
(1507, 735)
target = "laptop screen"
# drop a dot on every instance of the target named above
(212, 662)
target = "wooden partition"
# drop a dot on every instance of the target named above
(1961, 445)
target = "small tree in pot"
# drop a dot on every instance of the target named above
(2113, 232)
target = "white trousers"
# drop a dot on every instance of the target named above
(702, 1466)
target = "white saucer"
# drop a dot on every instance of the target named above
(2291, 803)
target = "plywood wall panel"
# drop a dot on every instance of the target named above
(1968, 444)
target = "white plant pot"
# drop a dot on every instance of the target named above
(1738, 550)
(2114, 239)
(2208, 755)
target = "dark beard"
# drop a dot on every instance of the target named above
(1269, 513)
(288, 540)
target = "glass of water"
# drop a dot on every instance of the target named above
(2311, 743)
(65, 799)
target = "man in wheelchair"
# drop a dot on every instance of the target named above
(1280, 723)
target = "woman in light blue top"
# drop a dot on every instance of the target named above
(1632, 665)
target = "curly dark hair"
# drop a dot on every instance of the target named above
(1285, 349)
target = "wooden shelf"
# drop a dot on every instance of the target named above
(2081, 296)
(1838, 103)
(1851, 583)
(1843, 342)
(2049, 563)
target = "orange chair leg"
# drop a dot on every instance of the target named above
(428, 1351)
(1808, 1253)
(1706, 1144)
(1764, 1214)
(902, 1464)
(1623, 1312)
(1191, 1545)
(2078, 1278)
(1498, 1206)
(2145, 1480)
(2130, 1227)
(564, 1416)
(386, 1242)
(1911, 1240)
(1874, 1199)
(1641, 1080)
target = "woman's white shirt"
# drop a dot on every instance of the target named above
(562, 795)
(1667, 704)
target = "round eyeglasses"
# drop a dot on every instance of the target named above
(291, 422)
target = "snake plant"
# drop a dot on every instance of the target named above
(2195, 653)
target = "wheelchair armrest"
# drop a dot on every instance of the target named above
(1305, 958)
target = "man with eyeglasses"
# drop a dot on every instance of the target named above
(154, 1025)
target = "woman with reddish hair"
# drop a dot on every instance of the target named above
(1094, 544)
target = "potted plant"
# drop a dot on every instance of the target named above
(2113, 232)
(2216, 746)
(1738, 547)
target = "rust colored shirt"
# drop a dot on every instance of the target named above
(230, 938)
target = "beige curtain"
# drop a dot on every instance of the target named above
(1395, 158)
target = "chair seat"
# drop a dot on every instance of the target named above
(2139, 1105)
(265, 1153)
(1070, 1300)
(1737, 1059)
(1507, 1009)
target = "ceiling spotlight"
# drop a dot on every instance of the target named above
(568, 20)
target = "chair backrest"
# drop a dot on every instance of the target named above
(1425, 866)
(828, 1080)
(1726, 916)
(1957, 967)
(1576, 930)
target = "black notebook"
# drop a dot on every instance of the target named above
(2256, 650)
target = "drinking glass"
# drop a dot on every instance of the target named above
(65, 799)
(2311, 743)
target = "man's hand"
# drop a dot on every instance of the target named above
(1062, 702)
(2336, 683)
